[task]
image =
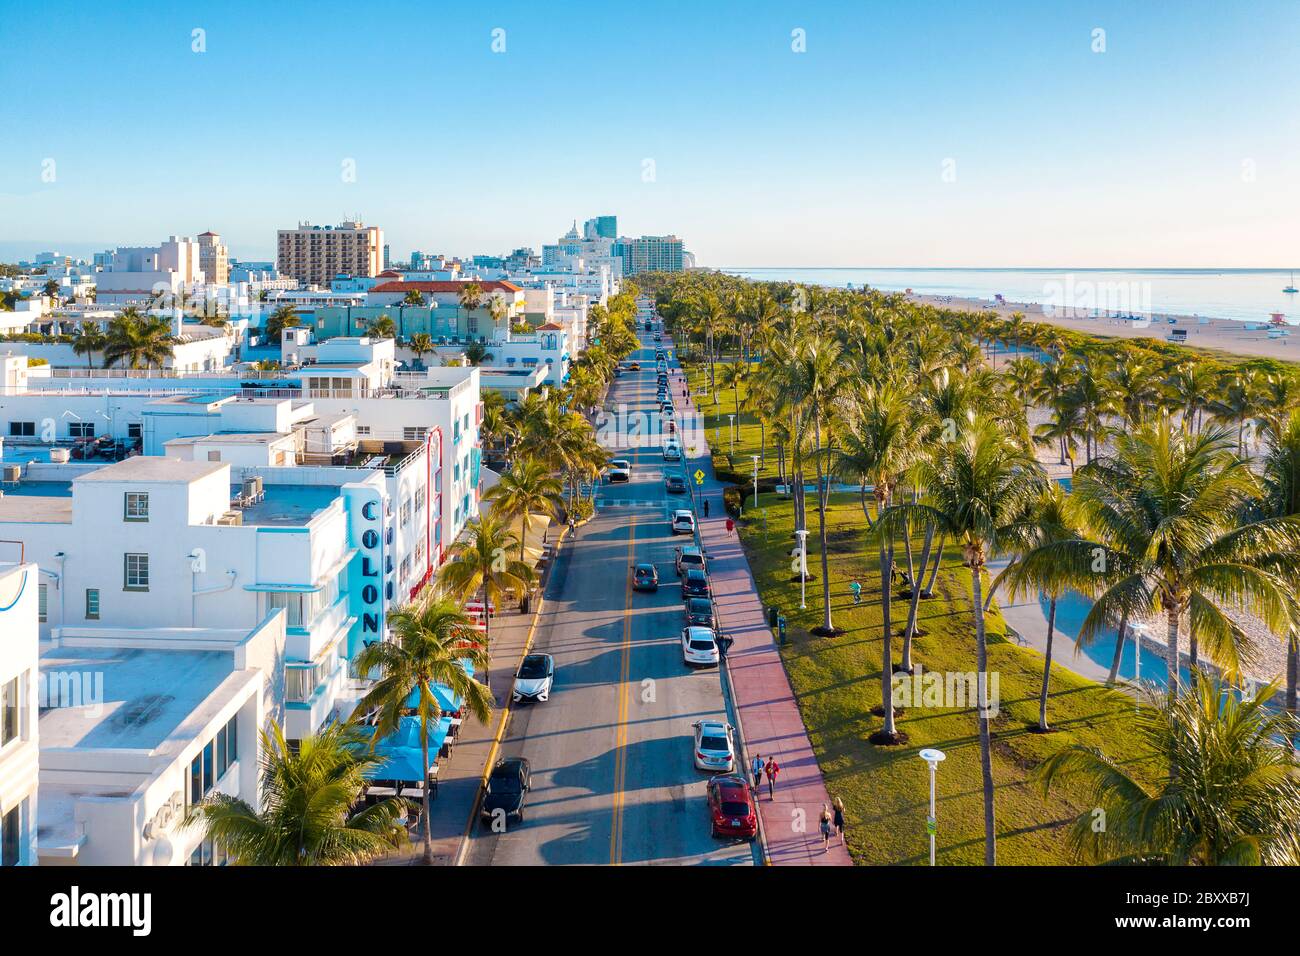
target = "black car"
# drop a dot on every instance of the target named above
(645, 578)
(695, 584)
(675, 485)
(699, 612)
(509, 783)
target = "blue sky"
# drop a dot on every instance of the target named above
(1177, 146)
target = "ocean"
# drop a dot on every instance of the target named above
(1246, 295)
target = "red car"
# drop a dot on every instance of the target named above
(731, 808)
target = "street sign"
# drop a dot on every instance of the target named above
(699, 476)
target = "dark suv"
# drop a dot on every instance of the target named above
(699, 612)
(510, 782)
(695, 584)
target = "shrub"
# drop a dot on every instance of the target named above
(582, 509)
(731, 498)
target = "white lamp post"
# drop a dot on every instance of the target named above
(933, 758)
(732, 419)
(755, 457)
(803, 567)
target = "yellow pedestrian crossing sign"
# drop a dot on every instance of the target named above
(699, 476)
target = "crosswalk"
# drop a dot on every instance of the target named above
(603, 502)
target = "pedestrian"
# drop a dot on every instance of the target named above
(706, 507)
(756, 768)
(772, 770)
(856, 588)
(838, 818)
(826, 827)
(731, 526)
(573, 527)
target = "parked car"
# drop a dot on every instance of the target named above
(695, 584)
(731, 808)
(535, 677)
(507, 786)
(645, 577)
(699, 646)
(699, 612)
(683, 521)
(687, 558)
(714, 746)
(675, 485)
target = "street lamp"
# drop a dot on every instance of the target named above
(755, 457)
(733, 433)
(933, 758)
(803, 567)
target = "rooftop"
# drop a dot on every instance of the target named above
(135, 708)
(35, 509)
(446, 286)
(152, 468)
(287, 505)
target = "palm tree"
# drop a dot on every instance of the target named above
(498, 309)
(421, 344)
(382, 328)
(526, 489)
(733, 376)
(1280, 478)
(413, 297)
(307, 815)
(476, 353)
(979, 488)
(284, 317)
(1048, 522)
(430, 641)
(479, 562)
(1169, 534)
(135, 338)
(1239, 401)
(470, 298)
(89, 339)
(1233, 800)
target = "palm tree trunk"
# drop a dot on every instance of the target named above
(424, 797)
(1119, 651)
(938, 560)
(823, 492)
(1047, 666)
(910, 631)
(1292, 667)
(887, 644)
(1171, 654)
(986, 742)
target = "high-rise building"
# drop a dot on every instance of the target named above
(388, 256)
(601, 227)
(650, 254)
(213, 259)
(316, 254)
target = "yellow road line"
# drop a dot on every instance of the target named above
(620, 736)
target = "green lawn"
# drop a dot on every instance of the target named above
(749, 435)
(837, 682)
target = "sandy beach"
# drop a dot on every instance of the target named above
(1224, 336)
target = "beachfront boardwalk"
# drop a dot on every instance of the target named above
(761, 693)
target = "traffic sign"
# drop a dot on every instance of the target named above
(699, 476)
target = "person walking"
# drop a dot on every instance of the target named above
(772, 770)
(731, 526)
(706, 507)
(756, 768)
(837, 818)
(826, 828)
(856, 588)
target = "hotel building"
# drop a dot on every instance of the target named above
(314, 255)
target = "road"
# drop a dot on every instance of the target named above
(611, 751)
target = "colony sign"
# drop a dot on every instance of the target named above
(366, 580)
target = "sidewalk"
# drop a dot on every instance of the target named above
(761, 692)
(460, 776)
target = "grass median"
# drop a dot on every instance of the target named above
(837, 683)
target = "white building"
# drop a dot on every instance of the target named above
(136, 273)
(19, 673)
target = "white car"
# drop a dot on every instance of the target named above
(672, 452)
(620, 469)
(715, 748)
(683, 522)
(699, 646)
(535, 677)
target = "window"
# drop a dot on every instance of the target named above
(92, 604)
(11, 833)
(135, 572)
(405, 571)
(419, 500)
(22, 429)
(81, 429)
(135, 430)
(404, 512)
(213, 762)
(363, 430)
(414, 433)
(214, 456)
(10, 710)
(135, 506)
(43, 603)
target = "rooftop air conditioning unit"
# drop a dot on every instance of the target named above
(12, 473)
(59, 456)
(231, 518)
